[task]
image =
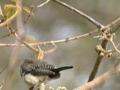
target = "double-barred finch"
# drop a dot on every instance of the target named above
(35, 72)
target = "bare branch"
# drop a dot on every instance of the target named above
(25, 43)
(96, 23)
(103, 44)
(54, 41)
(44, 3)
(98, 61)
(114, 23)
(13, 60)
(100, 80)
(115, 47)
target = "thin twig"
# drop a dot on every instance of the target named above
(29, 15)
(96, 23)
(114, 23)
(53, 41)
(116, 49)
(25, 43)
(44, 3)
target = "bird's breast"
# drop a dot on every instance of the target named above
(30, 79)
(33, 80)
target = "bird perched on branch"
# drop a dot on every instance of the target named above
(36, 72)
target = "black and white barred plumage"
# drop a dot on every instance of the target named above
(35, 71)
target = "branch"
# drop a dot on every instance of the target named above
(103, 44)
(13, 63)
(44, 3)
(114, 23)
(100, 80)
(53, 41)
(114, 46)
(26, 44)
(96, 23)
(98, 61)
(18, 10)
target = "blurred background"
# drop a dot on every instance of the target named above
(54, 22)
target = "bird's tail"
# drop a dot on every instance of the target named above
(63, 68)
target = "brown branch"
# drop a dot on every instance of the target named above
(98, 61)
(54, 41)
(13, 63)
(103, 44)
(100, 80)
(96, 23)
(25, 43)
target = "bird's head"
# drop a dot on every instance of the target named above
(26, 66)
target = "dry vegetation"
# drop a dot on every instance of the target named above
(104, 33)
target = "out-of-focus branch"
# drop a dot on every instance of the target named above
(114, 46)
(18, 9)
(116, 22)
(96, 23)
(44, 3)
(116, 49)
(13, 63)
(100, 80)
(25, 43)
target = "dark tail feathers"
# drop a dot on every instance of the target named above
(63, 68)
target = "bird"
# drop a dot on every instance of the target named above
(36, 72)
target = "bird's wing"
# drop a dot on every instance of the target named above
(42, 72)
(43, 65)
(42, 68)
